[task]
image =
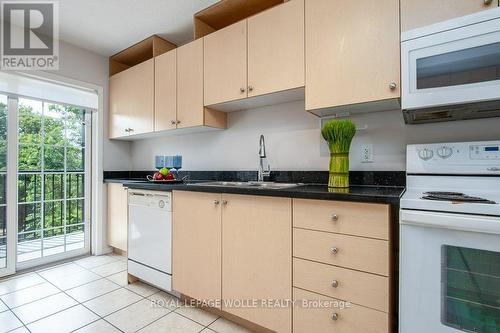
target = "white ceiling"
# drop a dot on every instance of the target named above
(109, 26)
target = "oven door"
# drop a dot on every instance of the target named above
(449, 279)
(457, 66)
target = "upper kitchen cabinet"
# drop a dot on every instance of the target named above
(190, 109)
(132, 87)
(131, 94)
(418, 13)
(165, 96)
(352, 55)
(276, 49)
(225, 64)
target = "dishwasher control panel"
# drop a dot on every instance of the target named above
(151, 199)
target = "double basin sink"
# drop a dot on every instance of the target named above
(257, 185)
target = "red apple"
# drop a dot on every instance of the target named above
(158, 176)
(170, 176)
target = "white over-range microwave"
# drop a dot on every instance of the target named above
(451, 70)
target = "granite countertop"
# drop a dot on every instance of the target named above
(360, 193)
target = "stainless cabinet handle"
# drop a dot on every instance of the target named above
(250, 88)
(334, 250)
(224, 202)
(335, 316)
(335, 217)
(488, 2)
(393, 85)
(242, 90)
(494, 169)
(216, 202)
(335, 283)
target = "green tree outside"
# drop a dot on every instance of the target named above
(59, 136)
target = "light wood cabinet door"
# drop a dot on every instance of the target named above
(361, 288)
(118, 105)
(190, 84)
(318, 319)
(352, 52)
(256, 257)
(359, 253)
(140, 97)
(166, 91)
(418, 13)
(196, 255)
(350, 218)
(117, 216)
(225, 64)
(276, 49)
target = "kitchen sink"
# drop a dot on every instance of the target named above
(260, 185)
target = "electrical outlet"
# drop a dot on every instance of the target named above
(367, 153)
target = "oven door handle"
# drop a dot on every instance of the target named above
(464, 222)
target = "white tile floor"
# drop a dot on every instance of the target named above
(91, 295)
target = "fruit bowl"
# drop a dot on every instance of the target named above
(170, 181)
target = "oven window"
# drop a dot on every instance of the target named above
(473, 65)
(471, 289)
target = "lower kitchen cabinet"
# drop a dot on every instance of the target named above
(240, 249)
(256, 257)
(235, 248)
(320, 314)
(117, 216)
(196, 252)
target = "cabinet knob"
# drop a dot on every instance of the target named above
(335, 283)
(334, 250)
(335, 217)
(335, 316)
(224, 202)
(216, 202)
(488, 2)
(178, 122)
(250, 88)
(393, 85)
(127, 130)
(242, 90)
(173, 122)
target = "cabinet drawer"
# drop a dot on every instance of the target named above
(364, 254)
(351, 218)
(341, 283)
(354, 319)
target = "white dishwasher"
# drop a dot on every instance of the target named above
(150, 237)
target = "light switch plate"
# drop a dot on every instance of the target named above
(367, 153)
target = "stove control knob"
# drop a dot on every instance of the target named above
(445, 152)
(425, 154)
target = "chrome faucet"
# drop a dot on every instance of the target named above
(264, 167)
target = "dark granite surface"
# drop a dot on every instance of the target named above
(378, 187)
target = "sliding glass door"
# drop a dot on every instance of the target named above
(52, 164)
(3, 183)
(50, 182)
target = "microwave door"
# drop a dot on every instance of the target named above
(460, 66)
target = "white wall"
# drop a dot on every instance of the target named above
(84, 65)
(293, 141)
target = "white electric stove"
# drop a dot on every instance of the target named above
(450, 239)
